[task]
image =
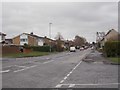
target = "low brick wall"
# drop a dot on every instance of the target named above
(10, 49)
(27, 50)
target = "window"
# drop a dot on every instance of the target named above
(23, 40)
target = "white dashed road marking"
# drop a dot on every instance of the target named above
(25, 68)
(69, 74)
(48, 61)
(62, 81)
(59, 85)
(65, 78)
(71, 85)
(4, 71)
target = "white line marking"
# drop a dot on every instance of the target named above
(4, 71)
(48, 61)
(71, 85)
(58, 86)
(65, 78)
(62, 81)
(100, 84)
(31, 67)
(91, 84)
(75, 67)
(82, 57)
(68, 75)
(19, 70)
(25, 68)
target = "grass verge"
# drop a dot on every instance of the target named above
(115, 60)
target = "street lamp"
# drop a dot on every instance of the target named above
(50, 34)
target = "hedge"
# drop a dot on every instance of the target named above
(39, 48)
(112, 48)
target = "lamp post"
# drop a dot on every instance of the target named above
(50, 34)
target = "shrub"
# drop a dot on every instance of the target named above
(26, 46)
(112, 48)
(45, 48)
(41, 48)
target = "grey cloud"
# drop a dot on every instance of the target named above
(69, 18)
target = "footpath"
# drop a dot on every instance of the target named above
(97, 57)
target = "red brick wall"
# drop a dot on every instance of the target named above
(16, 40)
(10, 49)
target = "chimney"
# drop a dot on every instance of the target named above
(31, 33)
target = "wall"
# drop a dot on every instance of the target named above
(32, 41)
(16, 40)
(113, 35)
(10, 49)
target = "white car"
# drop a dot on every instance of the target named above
(81, 48)
(72, 49)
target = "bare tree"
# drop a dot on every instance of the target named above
(59, 41)
(79, 41)
(59, 36)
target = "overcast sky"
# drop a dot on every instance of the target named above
(68, 18)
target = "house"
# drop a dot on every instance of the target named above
(8, 41)
(30, 39)
(48, 41)
(112, 35)
(2, 37)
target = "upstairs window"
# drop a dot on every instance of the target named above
(23, 40)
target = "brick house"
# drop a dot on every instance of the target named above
(112, 35)
(30, 39)
(48, 41)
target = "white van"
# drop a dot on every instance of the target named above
(72, 49)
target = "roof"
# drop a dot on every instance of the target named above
(2, 34)
(8, 40)
(109, 33)
(33, 35)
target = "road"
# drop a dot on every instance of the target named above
(62, 70)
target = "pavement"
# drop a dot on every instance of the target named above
(80, 69)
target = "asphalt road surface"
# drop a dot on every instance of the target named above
(62, 70)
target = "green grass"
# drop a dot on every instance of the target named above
(115, 59)
(31, 54)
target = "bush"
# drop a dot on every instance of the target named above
(26, 46)
(41, 48)
(112, 48)
(38, 48)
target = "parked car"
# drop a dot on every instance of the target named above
(72, 49)
(81, 48)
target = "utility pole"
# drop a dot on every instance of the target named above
(50, 34)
